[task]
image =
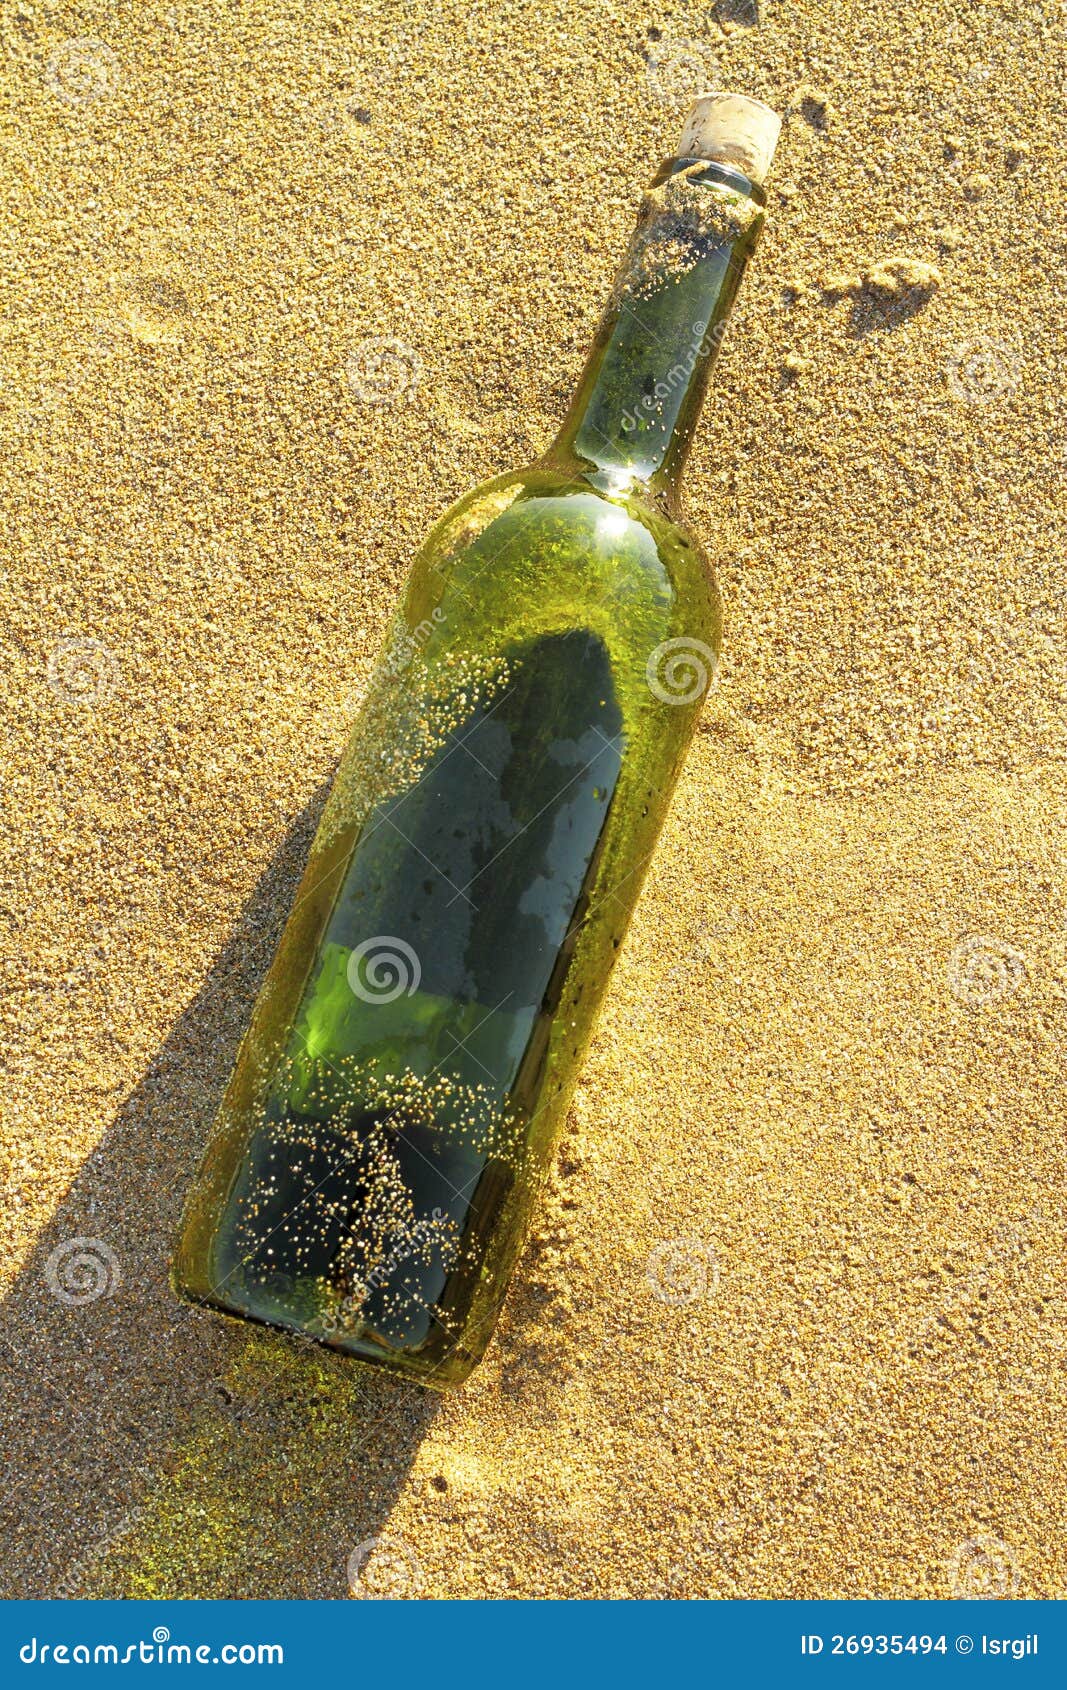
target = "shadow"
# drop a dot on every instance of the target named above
(876, 309)
(742, 14)
(813, 111)
(889, 295)
(153, 1449)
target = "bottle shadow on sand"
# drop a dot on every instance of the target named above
(152, 1449)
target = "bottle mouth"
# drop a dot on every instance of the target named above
(732, 129)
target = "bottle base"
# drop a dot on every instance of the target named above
(433, 1375)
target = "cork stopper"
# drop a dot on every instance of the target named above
(732, 129)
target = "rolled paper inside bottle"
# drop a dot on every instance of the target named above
(732, 129)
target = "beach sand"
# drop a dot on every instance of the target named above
(792, 1321)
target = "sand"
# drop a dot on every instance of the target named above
(792, 1322)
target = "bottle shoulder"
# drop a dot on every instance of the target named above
(537, 483)
(570, 530)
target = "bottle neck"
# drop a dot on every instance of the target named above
(639, 397)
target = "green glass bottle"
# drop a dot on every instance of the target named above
(411, 1055)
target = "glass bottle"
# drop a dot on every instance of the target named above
(396, 1099)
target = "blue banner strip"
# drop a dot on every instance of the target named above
(547, 1644)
